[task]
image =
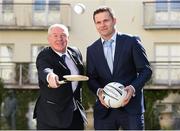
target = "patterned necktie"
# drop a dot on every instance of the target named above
(109, 54)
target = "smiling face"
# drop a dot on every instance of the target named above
(58, 39)
(105, 24)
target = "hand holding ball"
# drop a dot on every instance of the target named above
(114, 94)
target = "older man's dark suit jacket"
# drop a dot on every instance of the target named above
(55, 106)
(130, 67)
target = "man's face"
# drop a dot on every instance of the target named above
(58, 39)
(105, 24)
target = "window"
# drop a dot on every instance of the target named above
(161, 6)
(54, 5)
(175, 5)
(48, 13)
(6, 53)
(165, 5)
(35, 51)
(33, 76)
(7, 6)
(167, 12)
(167, 68)
(6, 65)
(40, 5)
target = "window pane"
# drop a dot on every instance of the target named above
(161, 6)
(175, 74)
(32, 67)
(54, 5)
(6, 67)
(35, 51)
(7, 5)
(161, 50)
(167, 73)
(175, 5)
(161, 73)
(175, 50)
(39, 5)
(6, 53)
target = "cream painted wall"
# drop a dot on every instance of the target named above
(129, 15)
(22, 41)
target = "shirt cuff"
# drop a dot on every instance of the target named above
(48, 76)
(134, 94)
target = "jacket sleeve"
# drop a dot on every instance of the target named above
(43, 65)
(142, 65)
(93, 83)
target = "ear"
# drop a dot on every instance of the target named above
(67, 38)
(114, 20)
(48, 38)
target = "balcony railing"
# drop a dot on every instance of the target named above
(166, 75)
(161, 14)
(19, 75)
(33, 16)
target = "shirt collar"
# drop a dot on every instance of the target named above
(60, 54)
(112, 38)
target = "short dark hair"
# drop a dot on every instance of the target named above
(103, 9)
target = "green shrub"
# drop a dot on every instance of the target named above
(23, 97)
(151, 114)
(88, 98)
(1, 93)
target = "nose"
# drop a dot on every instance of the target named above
(102, 24)
(59, 38)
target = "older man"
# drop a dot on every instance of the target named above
(56, 107)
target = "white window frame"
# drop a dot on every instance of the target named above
(33, 76)
(6, 63)
(168, 63)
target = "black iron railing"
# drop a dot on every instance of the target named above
(165, 73)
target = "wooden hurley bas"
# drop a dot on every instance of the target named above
(69, 78)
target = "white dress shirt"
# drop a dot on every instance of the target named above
(72, 67)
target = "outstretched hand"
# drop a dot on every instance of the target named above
(53, 81)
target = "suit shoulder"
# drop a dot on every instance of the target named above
(75, 51)
(44, 50)
(94, 44)
(73, 48)
(128, 36)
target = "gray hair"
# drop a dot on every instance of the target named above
(59, 26)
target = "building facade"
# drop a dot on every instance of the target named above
(23, 33)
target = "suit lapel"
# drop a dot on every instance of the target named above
(58, 60)
(118, 52)
(102, 57)
(78, 64)
(63, 65)
(76, 60)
